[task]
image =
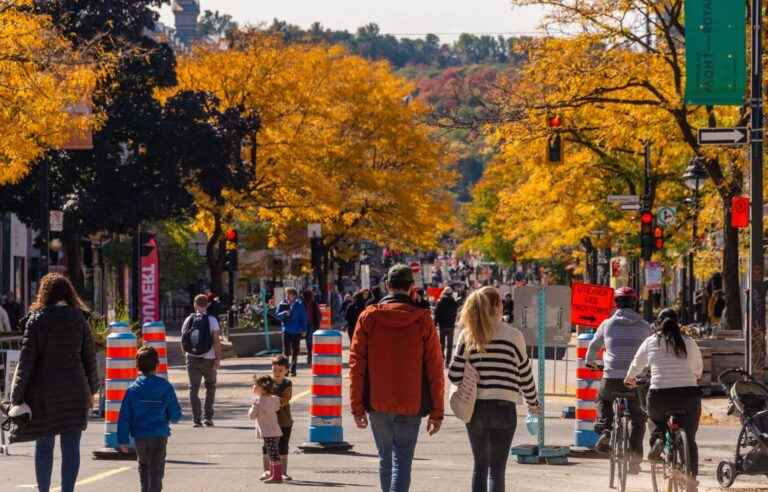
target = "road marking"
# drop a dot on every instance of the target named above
(300, 396)
(96, 478)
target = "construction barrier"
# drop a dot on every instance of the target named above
(587, 388)
(153, 335)
(121, 372)
(326, 323)
(325, 430)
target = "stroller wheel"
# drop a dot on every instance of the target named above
(726, 473)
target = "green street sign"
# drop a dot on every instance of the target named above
(715, 52)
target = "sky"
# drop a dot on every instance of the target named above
(409, 17)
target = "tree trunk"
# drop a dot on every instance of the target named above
(70, 238)
(214, 255)
(731, 284)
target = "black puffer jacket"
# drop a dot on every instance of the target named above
(57, 373)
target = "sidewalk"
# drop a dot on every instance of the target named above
(228, 457)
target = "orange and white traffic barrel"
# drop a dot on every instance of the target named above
(121, 372)
(325, 430)
(587, 388)
(153, 335)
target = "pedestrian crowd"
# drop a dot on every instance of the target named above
(398, 359)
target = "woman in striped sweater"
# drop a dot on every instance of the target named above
(497, 351)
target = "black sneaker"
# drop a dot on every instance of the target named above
(603, 444)
(208, 422)
(197, 423)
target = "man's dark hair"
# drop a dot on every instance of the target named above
(399, 284)
(147, 360)
(280, 360)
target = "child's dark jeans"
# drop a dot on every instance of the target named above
(151, 457)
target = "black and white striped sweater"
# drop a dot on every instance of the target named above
(504, 367)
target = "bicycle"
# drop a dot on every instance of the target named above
(620, 452)
(675, 465)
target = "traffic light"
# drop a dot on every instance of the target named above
(555, 149)
(555, 141)
(647, 242)
(658, 238)
(231, 258)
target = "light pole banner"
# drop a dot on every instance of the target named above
(150, 283)
(715, 52)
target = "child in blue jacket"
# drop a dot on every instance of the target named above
(148, 408)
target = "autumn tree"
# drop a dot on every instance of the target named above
(617, 85)
(340, 142)
(41, 75)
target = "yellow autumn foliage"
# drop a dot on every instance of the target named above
(341, 143)
(613, 95)
(41, 75)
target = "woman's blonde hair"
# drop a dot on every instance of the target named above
(478, 317)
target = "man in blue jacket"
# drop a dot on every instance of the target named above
(149, 406)
(293, 317)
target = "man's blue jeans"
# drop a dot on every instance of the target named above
(395, 437)
(70, 460)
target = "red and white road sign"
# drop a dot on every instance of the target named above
(415, 266)
(591, 304)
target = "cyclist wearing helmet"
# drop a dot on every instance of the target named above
(621, 334)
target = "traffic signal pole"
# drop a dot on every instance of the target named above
(647, 205)
(756, 324)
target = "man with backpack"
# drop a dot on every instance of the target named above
(202, 346)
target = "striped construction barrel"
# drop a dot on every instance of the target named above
(121, 372)
(587, 388)
(153, 335)
(325, 410)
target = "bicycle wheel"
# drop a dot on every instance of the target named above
(623, 454)
(657, 475)
(680, 474)
(612, 457)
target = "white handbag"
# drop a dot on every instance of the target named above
(463, 397)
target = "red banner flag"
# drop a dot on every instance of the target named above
(150, 283)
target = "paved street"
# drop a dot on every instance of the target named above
(227, 458)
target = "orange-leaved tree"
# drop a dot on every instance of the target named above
(41, 76)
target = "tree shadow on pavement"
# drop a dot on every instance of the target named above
(311, 483)
(184, 462)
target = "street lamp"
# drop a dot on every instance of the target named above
(694, 177)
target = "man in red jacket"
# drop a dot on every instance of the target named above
(396, 371)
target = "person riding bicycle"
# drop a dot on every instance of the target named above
(676, 366)
(621, 334)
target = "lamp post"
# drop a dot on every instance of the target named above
(694, 177)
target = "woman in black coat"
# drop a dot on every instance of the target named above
(57, 378)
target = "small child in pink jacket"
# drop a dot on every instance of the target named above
(264, 411)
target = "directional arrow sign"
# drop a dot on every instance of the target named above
(623, 199)
(723, 136)
(590, 304)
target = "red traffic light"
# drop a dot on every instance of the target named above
(646, 217)
(658, 232)
(231, 235)
(554, 121)
(740, 212)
